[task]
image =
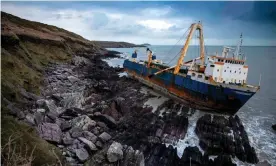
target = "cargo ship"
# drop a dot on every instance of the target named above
(213, 83)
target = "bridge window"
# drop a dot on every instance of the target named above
(230, 71)
(206, 77)
(224, 70)
(193, 74)
(235, 71)
(199, 76)
(218, 70)
(212, 65)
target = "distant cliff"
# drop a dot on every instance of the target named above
(145, 44)
(113, 44)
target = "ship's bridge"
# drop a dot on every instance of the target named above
(227, 70)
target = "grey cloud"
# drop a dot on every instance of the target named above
(262, 12)
(99, 20)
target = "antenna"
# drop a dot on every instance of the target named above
(260, 80)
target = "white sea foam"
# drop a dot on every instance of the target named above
(191, 138)
(122, 74)
(262, 139)
(114, 62)
(155, 102)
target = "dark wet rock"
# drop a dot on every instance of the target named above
(99, 144)
(57, 97)
(102, 125)
(50, 132)
(132, 157)
(108, 120)
(76, 132)
(65, 125)
(274, 127)
(71, 113)
(52, 116)
(158, 154)
(67, 139)
(41, 103)
(84, 122)
(224, 160)
(192, 154)
(219, 135)
(98, 159)
(95, 131)
(91, 146)
(104, 137)
(115, 152)
(90, 136)
(82, 154)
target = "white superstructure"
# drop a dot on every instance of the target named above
(226, 69)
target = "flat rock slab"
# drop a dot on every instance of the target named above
(50, 132)
(90, 144)
(105, 137)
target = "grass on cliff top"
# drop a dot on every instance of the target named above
(35, 25)
(21, 145)
(22, 64)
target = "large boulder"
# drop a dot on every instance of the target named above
(115, 152)
(84, 122)
(193, 154)
(50, 132)
(108, 120)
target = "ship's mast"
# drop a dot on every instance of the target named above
(238, 50)
(195, 26)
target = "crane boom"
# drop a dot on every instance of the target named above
(195, 26)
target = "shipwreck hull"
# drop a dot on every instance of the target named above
(193, 93)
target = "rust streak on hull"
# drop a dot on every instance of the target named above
(183, 96)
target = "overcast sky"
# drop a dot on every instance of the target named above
(160, 23)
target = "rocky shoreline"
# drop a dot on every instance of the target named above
(96, 117)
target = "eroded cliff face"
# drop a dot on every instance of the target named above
(27, 47)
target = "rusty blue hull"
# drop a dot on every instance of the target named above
(199, 95)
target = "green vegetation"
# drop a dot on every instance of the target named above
(21, 145)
